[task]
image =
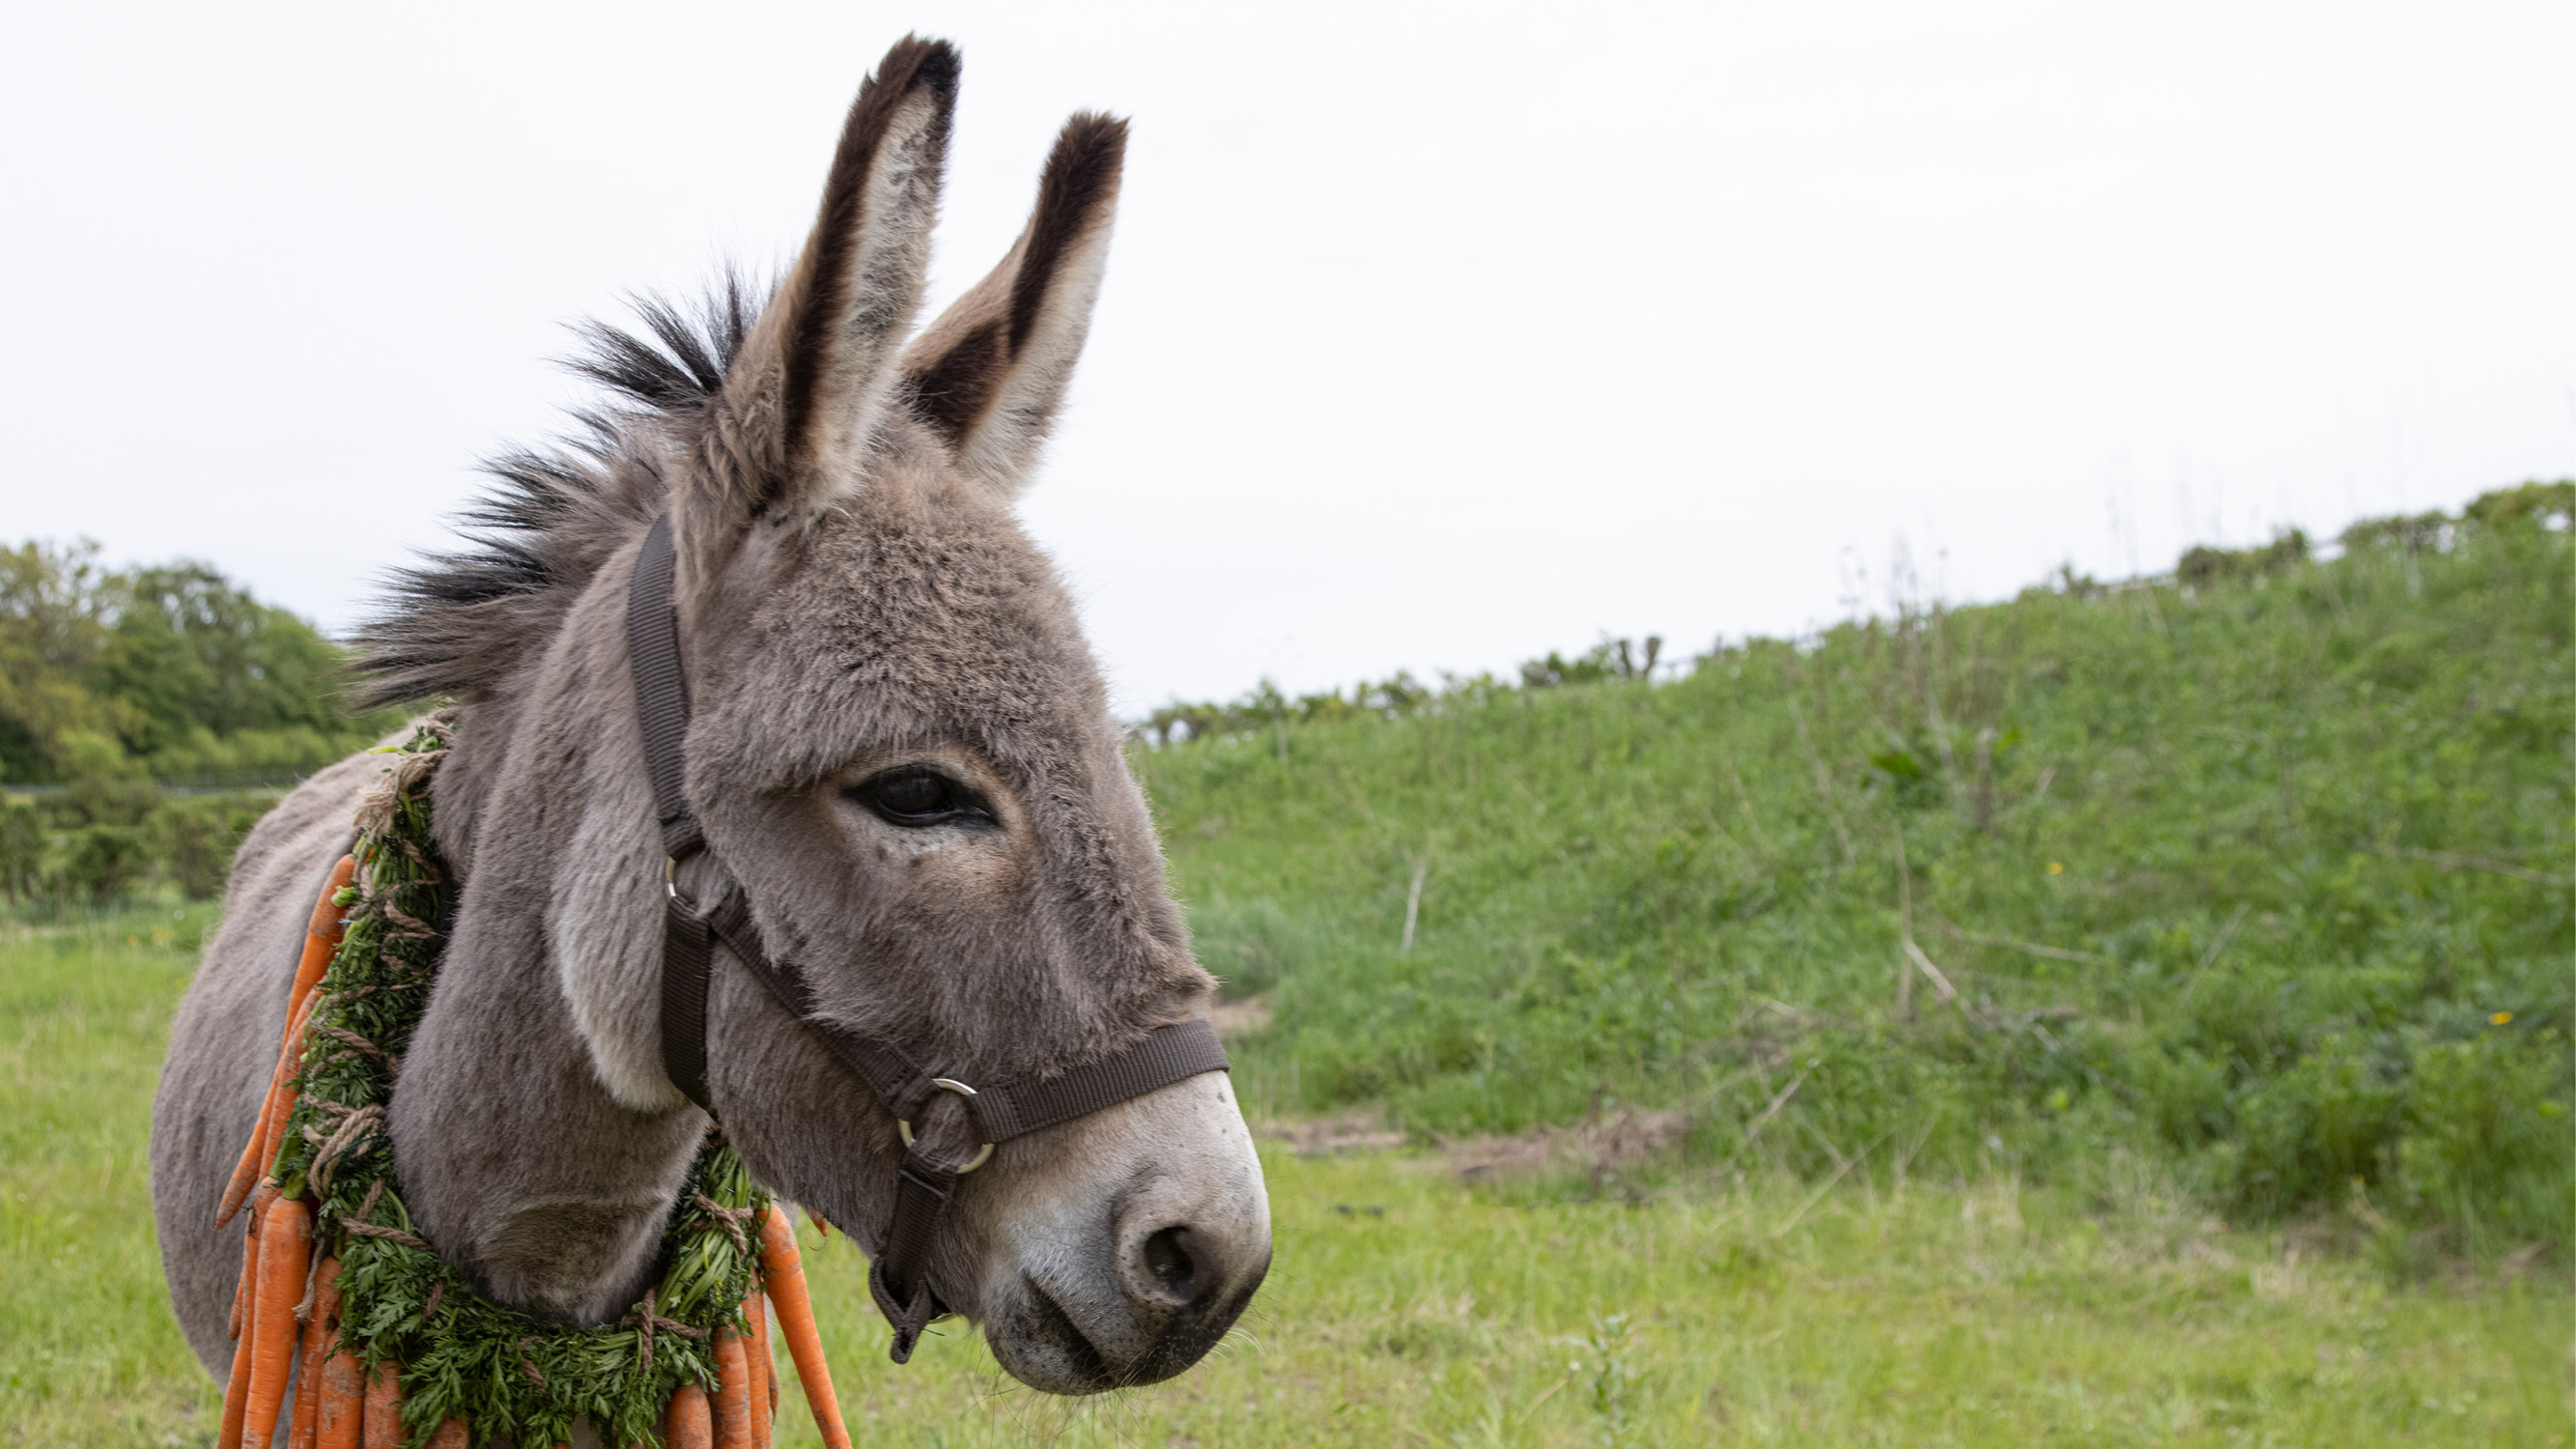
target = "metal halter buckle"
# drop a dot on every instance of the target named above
(948, 1084)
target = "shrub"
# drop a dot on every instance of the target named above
(2487, 1150)
(22, 849)
(196, 836)
(103, 860)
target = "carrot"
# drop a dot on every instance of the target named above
(450, 1435)
(685, 1424)
(784, 1270)
(321, 934)
(321, 937)
(286, 1241)
(342, 1412)
(241, 1285)
(325, 925)
(733, 1391)
(383, 1414)
(764, 1371)
(236, 1396)
(317, 1343)
(246, 1171)
(282, 1102)
(257, 1155)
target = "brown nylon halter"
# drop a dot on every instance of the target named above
(897, 1276)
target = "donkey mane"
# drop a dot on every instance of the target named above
(459, 621)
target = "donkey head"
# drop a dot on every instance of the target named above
(902, 754)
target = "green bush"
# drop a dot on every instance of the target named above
(22, 850)
(102, 861)
(2486, 1146)
(196, 837)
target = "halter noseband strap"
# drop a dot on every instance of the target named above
(897, 1277)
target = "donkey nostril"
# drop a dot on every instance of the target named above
(1167, 1257)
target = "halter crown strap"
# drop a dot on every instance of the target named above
(662, 708)
(661, 690)
(924, 1187)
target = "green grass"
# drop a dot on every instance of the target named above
(1407, 1308)
(88, 1350)
(2267, 881)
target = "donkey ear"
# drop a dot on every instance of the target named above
(991, 372)
(811, 389)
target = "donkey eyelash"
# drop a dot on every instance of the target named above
(916, 797)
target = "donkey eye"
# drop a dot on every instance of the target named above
(917, 796)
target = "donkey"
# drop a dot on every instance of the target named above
(901, 754)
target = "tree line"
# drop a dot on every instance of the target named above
(148, 716)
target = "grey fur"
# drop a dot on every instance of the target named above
(852, 598)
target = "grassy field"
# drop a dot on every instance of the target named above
(1409, 1307)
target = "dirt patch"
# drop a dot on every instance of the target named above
(1235, 1020)
(1359, 1130)
(1623, 1137)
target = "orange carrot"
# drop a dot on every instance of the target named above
(733, 1391)
(325, 925)
(450, 1435)
(259, 1153)
(685, 1424)
(286, 1242)
(384, 1427)
(236, 1397)
(321, 934)
(342, 1412)
(321, 937)
(241, 1285)
(317, 1342)
(276, 1136)
(783, 1269)
(246, 1171)
(764, 1371)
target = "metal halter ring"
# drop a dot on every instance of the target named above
(948, 1084)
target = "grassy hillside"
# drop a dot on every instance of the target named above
(2262, 872)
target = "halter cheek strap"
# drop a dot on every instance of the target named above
(898, 1277)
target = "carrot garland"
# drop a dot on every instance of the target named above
(395, 1349)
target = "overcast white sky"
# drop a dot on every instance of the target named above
(1435, 336)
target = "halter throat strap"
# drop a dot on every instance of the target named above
(925, 1186)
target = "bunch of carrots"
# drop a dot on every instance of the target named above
(285, 1318)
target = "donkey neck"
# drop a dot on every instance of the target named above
(540, 1145)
